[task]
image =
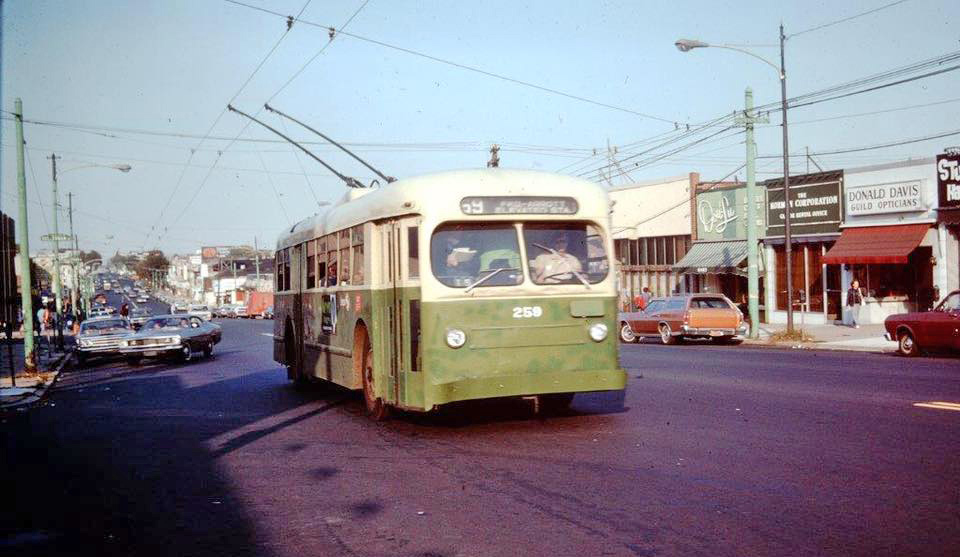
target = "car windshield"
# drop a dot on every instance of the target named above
(951, 303)
(105, 326)
(167, 323)
(481, 255)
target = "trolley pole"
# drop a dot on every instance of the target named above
(26, 299)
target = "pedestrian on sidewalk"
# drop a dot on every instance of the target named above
(854, 302)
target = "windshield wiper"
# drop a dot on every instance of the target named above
(484, 278)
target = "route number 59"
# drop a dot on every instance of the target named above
(521, 312)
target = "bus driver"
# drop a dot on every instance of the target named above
(557, 265)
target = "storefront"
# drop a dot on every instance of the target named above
(948, 217)
(651, 231)
(890, 240)
(717, 260)
(815, 213)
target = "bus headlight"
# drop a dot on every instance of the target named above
(598, 331)
(456, 338)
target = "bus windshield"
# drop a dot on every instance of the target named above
(468, 255)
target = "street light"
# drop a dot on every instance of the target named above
(56, 225)
(686, 45)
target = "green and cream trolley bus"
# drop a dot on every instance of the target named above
(453, 286)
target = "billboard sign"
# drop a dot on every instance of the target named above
(948, 180)
(815, 208)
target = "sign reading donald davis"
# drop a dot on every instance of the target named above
(877, 199)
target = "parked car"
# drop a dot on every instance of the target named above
(139, 316)
(171, 335)
(101, 337)
(201, 311)
(267, 313)
(240, 311)
(928, 330)
(98, 311)
(675, 318)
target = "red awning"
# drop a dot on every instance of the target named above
(876, 244)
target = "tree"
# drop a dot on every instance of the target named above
(128, 261)
(90, 255)
(155, 260)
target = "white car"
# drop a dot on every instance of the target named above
(201, 311)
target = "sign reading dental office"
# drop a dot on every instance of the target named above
(814, 205)
(877, 199)
(948, 179)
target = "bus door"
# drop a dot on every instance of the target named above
(401, 308)
(392, 315)
(297, 278)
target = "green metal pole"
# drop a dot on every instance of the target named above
(26, 299)
(56, 234)
(753, 274)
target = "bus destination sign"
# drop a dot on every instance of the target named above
(518, 205)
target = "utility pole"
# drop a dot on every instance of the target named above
(753, 273)
(73, 262)
(788, 248)
(56, 235)
(26, 298)
(256, 258)
(494, 161)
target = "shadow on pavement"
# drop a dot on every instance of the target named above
(85, 476)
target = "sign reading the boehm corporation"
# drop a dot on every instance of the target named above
(877, 199)
(948, 180)
(814, 205)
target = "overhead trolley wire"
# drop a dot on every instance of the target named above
(844, 20)
(459, 65)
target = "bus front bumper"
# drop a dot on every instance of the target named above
(525, 384)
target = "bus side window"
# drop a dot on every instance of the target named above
(286, 269)
(332, 260)
(344, 256)
(357, 241)
(311, 264)
(322, 262)
(413, 252)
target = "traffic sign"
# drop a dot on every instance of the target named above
(56, 237)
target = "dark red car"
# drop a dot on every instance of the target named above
(935, 330)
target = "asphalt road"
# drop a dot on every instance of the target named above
(710, 451)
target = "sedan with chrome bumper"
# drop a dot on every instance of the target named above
(177, 336)
(101, 337)
(928, 330)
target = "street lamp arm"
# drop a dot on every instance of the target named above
(120, 167)
(748, 53)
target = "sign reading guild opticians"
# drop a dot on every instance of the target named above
(948, 180)
(876, 199)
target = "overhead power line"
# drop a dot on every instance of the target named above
(461, 66)
(846, 19)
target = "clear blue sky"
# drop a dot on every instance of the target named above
(172, 66)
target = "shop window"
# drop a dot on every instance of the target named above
(311, 264)
(815, 269)
(413, 252)
(635, 252)
(642, 252)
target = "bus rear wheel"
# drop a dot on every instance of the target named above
(376, 408)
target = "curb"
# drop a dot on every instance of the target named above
(40, 394)
(816, 345)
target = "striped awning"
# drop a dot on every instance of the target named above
(723, 257)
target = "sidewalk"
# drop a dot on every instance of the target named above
(868, 338)
(30, 388)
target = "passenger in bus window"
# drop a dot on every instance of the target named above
(455, 258)
(557, 265)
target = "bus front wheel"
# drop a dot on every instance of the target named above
(376, 408)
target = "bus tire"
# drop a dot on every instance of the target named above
(376, 408)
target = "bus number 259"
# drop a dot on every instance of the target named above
(521, 312)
